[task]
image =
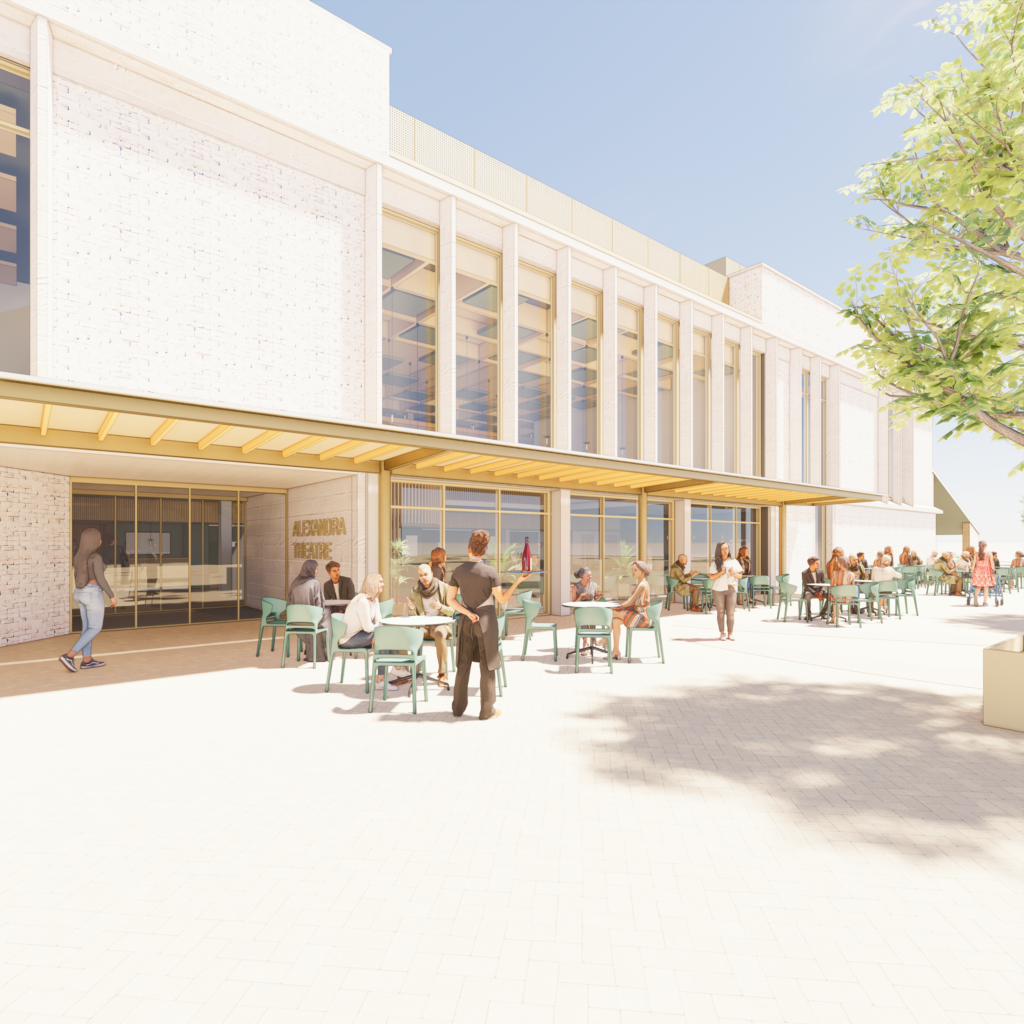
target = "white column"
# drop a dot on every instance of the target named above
(446, 319)
(815, 421)
(609, 440)
(771, 410)
(882, 447)
(833, 415)
(560, 549)
(649, 377)
(373, 269)
(906, 442)
(561, 409)
(41, 200)
(684, 390)
(897, 466)
(746, 400)
(718, 392)
(796, 368)
(508, 350)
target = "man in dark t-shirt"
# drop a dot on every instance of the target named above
(473, 591)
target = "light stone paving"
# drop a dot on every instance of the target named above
(808, 825)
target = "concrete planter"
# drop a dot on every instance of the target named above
(1003, 684)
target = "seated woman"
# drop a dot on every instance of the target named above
(362, 615)
(905, 557)
(586, 588)
(946, 567)
(915, 559)
(1018, 560)
(634, 611)
(684, 588)
(839, 576)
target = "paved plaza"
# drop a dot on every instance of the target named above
(808, 825)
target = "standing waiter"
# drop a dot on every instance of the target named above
(478, 586)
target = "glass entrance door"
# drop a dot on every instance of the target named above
(213, 572)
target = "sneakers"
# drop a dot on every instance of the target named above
(93, 664)
(68, 663)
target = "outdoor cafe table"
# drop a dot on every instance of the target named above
(589, 604)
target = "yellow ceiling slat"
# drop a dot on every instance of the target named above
(495, 467)
(378, 453)
(108, 422)
(256, 442)
(162, 431)
(213, 435)
(506, 471)
(467, 462)
(306, 442)
(531, 469)
(338, 449)
(434, 460)
(44, 420)
(551, 472)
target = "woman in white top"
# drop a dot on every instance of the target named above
(361, 616)
(885, 572)
(726, 573)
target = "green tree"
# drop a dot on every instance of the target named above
(941, 307)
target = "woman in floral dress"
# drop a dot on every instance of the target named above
(983, 574)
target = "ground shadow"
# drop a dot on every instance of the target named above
(851, 756)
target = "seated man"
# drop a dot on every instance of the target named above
(338, 587)
(946, 567)
(430, 597)
(684, 588)
(810, 576)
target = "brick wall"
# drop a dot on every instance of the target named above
(35, 560)
(185, 265)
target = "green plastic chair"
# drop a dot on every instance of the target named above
(594, 624)
(654, 614)
(387, 607)
(933, 578)
(783, 577)
(407, 643)
(338, 627)
(851, 595)
(531, 609)
(670, 583)
(302, 620)
(869, 596)
(803, 599)
(889, 589)
(908, 588)
(761, 585)
(706, 600)
(502, 624)
(786, 591)
(273, 616)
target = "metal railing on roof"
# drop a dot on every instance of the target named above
(421, 144)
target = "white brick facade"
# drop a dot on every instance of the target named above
(35, 555)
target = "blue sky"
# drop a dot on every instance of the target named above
(720, 128)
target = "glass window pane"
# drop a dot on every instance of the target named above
(516, 529)
(163, 555)
(658, 540)
(584, 506)
(586, 340)
(722, 513)
(469, 497)
(458, 526)
(14, 227)
(416, 495)
(698, 553)
(585, 544)
(667, 344)
(627, 380)
(620, 507)
(698, 511)
(415, 532)
(536, 305)
(700, 402)
(477, 329)
(110, 509)
(213, 571)
(409, 322)
(657, 510)
(620, 551)
(731, 406)
(522, 501)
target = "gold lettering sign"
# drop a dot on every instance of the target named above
(332, 526)
(317, 549)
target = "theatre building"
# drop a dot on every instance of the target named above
(250, 313)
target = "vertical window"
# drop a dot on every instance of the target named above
(824, 430)
(805, 427)
(410, 321)
(731, 399)
(701, 352)
(659, 542)
(889, 453)
(536, 306)
(627, 380)
(603, 536)
(738, 526)
(477, 335)
(14, 218)
(586, 341)
(668, 334)
(758, 413)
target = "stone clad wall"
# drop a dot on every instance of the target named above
(35, 556)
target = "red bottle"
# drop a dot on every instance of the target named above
(526, 555)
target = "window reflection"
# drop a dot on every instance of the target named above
(586, 339)
(627, 380)
(536, 293)
(701, 351)
(668, 335)
(477, 330)
(14, 220)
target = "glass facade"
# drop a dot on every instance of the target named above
(736, 525)
(627, 380)
(659, 542)
(730, 398)
(477, 336)
(426, 516)
(585, 363)
(701, 354)
(173, 555)
(409, 324)
(536, 322)
(668, 345)
(603, 535)
(14, 219)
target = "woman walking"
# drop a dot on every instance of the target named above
(634, 611)
(90, 586)
(983, 574)
(726, 573)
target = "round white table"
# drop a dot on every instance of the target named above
(589, 604)
(418, 620)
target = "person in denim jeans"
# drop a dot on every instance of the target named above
(90, 586)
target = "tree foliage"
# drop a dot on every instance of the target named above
(941, 307)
